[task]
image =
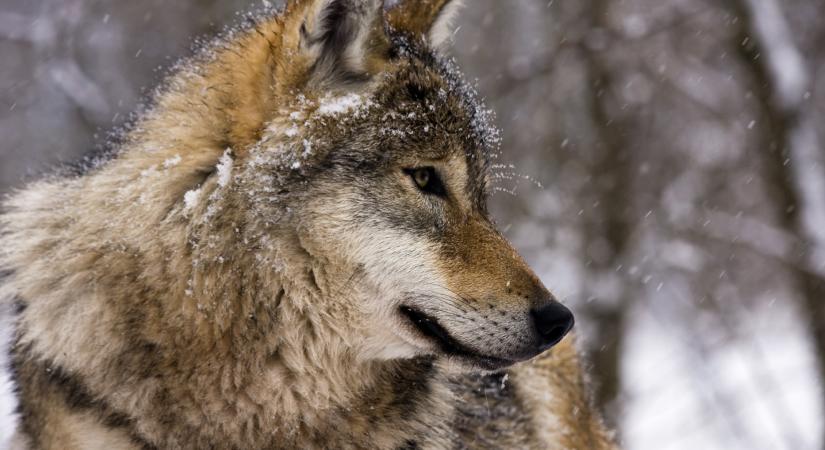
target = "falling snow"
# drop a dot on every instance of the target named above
(642, 169)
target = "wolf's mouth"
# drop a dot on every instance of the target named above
(431, 329)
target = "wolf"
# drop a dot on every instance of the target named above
(291, 249)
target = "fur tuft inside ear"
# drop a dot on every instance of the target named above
(441, 32)
(346, 39)
(429, 20)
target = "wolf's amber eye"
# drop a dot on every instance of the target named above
(427, 179)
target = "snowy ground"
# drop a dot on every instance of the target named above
(755, 381)
(761, 392)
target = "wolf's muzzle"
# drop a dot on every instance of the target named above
(552, 321)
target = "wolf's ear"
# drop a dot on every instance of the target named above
(428, 20)
(345, 39)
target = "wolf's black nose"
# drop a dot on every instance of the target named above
(553, 321)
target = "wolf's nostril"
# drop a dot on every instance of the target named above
(553, 321)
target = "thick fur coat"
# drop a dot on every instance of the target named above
(291, 249)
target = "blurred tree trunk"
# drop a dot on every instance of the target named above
(783, 84)
(607, 229)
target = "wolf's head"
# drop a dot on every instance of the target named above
(380, 153)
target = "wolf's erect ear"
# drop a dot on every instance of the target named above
(345, 39)
(429, 20)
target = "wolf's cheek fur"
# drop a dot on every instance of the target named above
(458, 289)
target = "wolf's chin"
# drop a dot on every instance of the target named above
(456, 352)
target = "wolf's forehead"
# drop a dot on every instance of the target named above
(480, 139)
(437, 91)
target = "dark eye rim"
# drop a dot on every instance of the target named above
(435, 186)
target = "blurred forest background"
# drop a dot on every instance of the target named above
(679, 148)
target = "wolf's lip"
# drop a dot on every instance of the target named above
(429, 327)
